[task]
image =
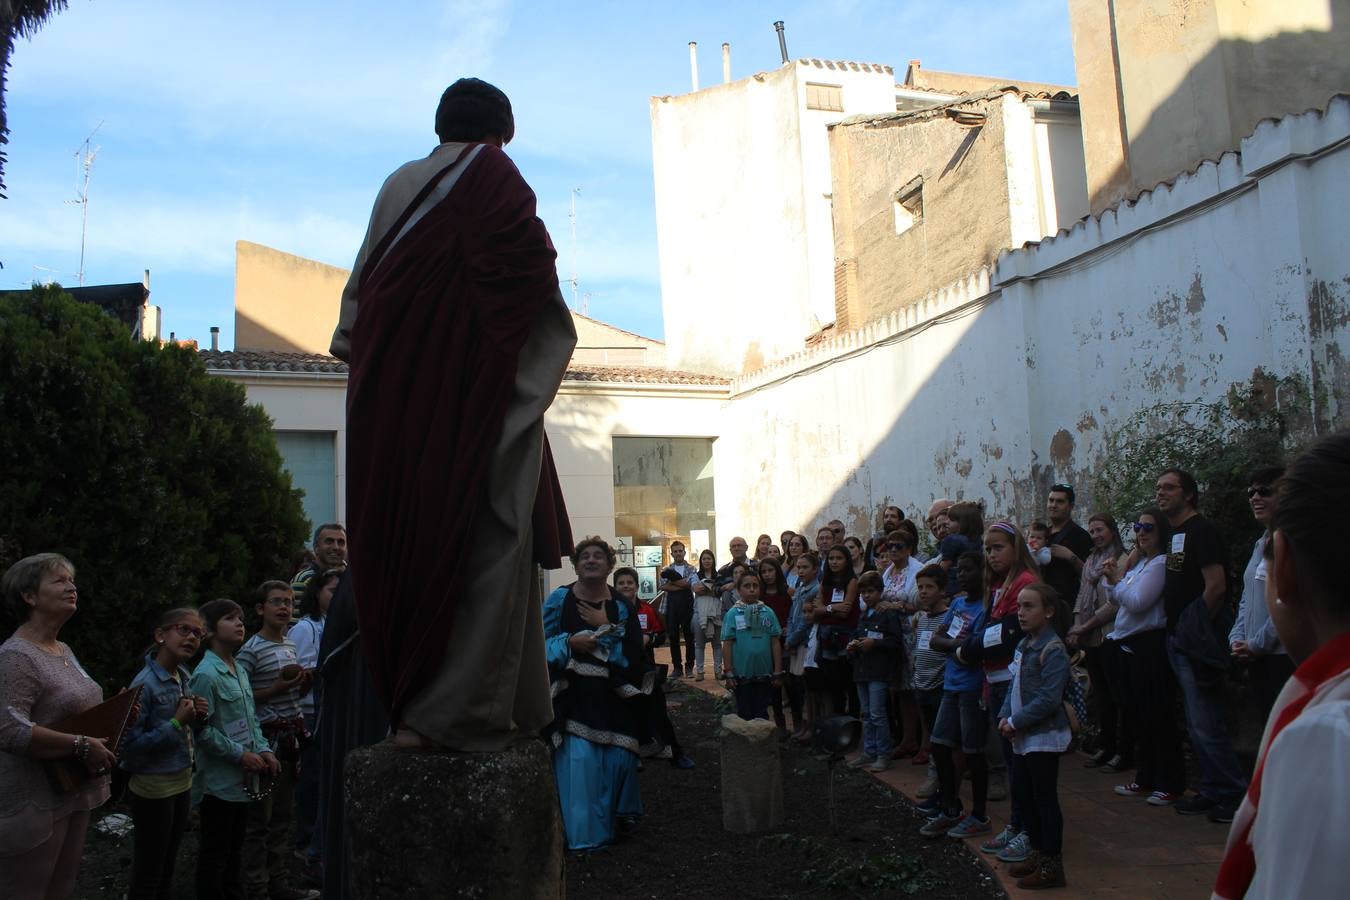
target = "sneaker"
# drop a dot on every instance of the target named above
(861, 760)
(880, 764)
(969, 827)
(1000, 840)
(1018, 849)
(1223, 812)
(1117, 764)
(683, 761)
(929, 807)
(920, 758)
(940, 824)
(698, 677)
(1194, 805)
(998, 787)
(1133, 789)
(1162, 798)
(928, 789)
(1095, 760)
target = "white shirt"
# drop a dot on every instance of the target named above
(1138, 597)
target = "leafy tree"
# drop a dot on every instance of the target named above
(1258, 423)
(159, 481)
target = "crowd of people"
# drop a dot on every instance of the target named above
(969, 660)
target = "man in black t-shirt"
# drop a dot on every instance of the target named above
(1197, 567)
(1069, 544)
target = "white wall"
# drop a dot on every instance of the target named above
(997, 390)
(742, 176)
(581, 425)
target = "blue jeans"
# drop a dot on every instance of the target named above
(1221, 778)
(872, 697)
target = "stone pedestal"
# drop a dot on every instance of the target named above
(752, 782)
(453, 824)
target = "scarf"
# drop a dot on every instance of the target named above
(1091, 595)
(1323, 676)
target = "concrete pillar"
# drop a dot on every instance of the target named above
(752, 782)
(453, 824)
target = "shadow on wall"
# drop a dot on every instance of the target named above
(251, 334)
(580, 433)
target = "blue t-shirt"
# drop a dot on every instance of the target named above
(950, 550)
(752, 627)
(964, 618)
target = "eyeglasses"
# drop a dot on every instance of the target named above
(897, 546)
(186, 630)
(1144, 527)
(1262, 491)
(279, 602)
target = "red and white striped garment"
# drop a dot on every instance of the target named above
(1290, 833)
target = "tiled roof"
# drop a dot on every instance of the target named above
(641, 337)
(845, 66)
(322, 363)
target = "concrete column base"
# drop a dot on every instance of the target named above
(453, 824)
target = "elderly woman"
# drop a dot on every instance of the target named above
(41, 827)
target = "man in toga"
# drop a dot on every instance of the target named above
(457, 338)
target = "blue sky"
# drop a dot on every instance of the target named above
(276, 122)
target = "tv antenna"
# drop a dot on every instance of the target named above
(84, 157)
(572, 219)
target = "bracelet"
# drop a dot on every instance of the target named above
(177, 725)
(81, 749)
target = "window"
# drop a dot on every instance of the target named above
(908, 205)
(829, 97)
(663, 490)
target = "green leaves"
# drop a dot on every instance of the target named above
(156, 479)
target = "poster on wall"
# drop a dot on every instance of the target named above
(623, 546)
(646, 582)
(647, 555)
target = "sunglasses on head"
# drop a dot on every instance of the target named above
(1261, 491)
(186, 630)
(1145, 527)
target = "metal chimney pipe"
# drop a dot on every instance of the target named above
(215, 337)
(726, 63)
(782, 41)
(693, 64)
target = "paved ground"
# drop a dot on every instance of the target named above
(1113, 846)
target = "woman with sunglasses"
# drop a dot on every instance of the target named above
(1136, 588)
(157, 751)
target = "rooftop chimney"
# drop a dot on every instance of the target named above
(726, 63)
(215, 337)
(693, 64)
(782, 41)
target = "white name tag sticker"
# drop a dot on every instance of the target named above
(741, 624)
(954, 630)
(238, 731)
(1178, 543)
(642, 620)
(837, 597)
(1017, 659)
(992, 635)
(925, 640)
(1261, 573)
(875, 635)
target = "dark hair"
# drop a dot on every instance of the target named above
(810, 556)
(898, 536)
(700, 562)
(1189, 486)
(171, 617)
(327, 526)
(975, 558)
(1161, 526)
(624, 570)
(309, 599)
(827, 581)
(1266, 475)
(968, 518)
(1110, 522)
(1051, 599)
(908, 526)
(747, 572)
(472, 110)
(933, 572)
(211, 613)
(1062, 488)
(862, 548)
(1038, 525)
(271, 585)
(25, 576)
(594, 541)
(894, 507)
(1313, 494)
(781, 583)
(674, 544)
(869, 580)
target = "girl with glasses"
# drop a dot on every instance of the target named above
(158, 752)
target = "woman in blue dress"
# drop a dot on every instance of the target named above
(597, 669)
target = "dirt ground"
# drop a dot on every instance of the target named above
(681, 850)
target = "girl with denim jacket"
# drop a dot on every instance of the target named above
(1033, 720)
(157, 751)
(232, 746)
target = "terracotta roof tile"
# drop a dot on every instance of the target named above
(322, 363)
(844, 65)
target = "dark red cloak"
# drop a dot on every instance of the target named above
(441, 321)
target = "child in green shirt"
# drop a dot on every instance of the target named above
(751, 649)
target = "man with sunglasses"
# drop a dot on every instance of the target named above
(1069, 543)
(1196, 572)
(1253, 639)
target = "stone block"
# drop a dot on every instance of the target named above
(453, 824)
(752, 782)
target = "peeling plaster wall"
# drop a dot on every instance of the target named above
(1243, 265)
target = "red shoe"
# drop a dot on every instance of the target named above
(920, 758)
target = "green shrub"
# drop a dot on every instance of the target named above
(157, 480)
